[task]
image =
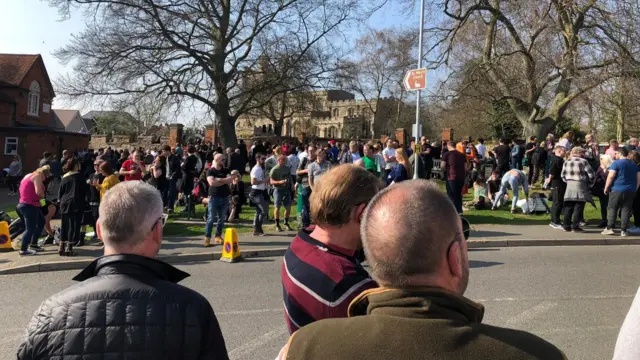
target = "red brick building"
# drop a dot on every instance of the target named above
(27, 124)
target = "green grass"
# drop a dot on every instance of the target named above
(10, 210)
(243, 225)
(503, 216)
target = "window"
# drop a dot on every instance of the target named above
(10, 145)
(336, 113)
(34, 99)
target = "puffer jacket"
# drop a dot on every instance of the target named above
(126, 307)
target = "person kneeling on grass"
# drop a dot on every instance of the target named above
(512, 179)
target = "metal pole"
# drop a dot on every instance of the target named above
(416, 160)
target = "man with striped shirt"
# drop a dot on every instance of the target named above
(321, 273)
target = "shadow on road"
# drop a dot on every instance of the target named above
(481, 264)
(490, 234)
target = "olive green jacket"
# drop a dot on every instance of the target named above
(408, 324)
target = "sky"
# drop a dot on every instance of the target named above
(33, 27)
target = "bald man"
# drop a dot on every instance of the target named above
(219, 179)
(420, 311)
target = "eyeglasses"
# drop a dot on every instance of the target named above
(162, 219)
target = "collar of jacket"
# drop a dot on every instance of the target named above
(133, 265)
(419, 302)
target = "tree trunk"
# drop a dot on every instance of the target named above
(227, 126)
(277, 127)
(619, 123)
(541, 128)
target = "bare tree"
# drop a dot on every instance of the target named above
(541, 55)
(382, 57)
(148, 110)
(201, 51)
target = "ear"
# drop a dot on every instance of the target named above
(157, 234)
(359, 212)
(455, 259)
(98, 230)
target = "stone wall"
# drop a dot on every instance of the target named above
(125, 142)
(98, 142)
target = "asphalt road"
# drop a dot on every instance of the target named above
(575, 297)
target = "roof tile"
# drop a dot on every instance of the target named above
(14, 67)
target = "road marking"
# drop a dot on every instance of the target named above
(257, 343)
(249, 312)
(530, 314)
(559, 298)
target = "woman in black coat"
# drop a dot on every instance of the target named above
(73, 196)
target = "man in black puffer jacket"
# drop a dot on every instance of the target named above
(128, 305)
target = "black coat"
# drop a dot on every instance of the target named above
(175, 167)
(73, 193)
(127, 307)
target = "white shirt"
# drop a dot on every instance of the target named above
(482, 150)
(258, 174)
(293, 161)
(627, 345)
(389, 152)
(303, 155)
(565, 142)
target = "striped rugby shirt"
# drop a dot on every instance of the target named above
(319, 281)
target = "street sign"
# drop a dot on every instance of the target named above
(415, 79)
(417, 148)
(416, 131)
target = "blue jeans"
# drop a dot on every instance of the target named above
(508, 181)
(218, 206)
(172, 193)
(257, 197)
(306, 208)
(33, 223)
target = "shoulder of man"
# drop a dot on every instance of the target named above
(531, 345)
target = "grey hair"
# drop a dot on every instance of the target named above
(128, 212)
(352, 143)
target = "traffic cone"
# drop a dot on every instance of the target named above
(5, 237)
(230, 247)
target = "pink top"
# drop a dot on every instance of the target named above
(611, 152)
(28, 193)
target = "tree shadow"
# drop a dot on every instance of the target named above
(481, 264)
(478, 219)
(489, 234)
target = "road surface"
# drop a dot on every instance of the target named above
(575, 297)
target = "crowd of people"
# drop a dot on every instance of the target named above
(285, 174)
(362, 207)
